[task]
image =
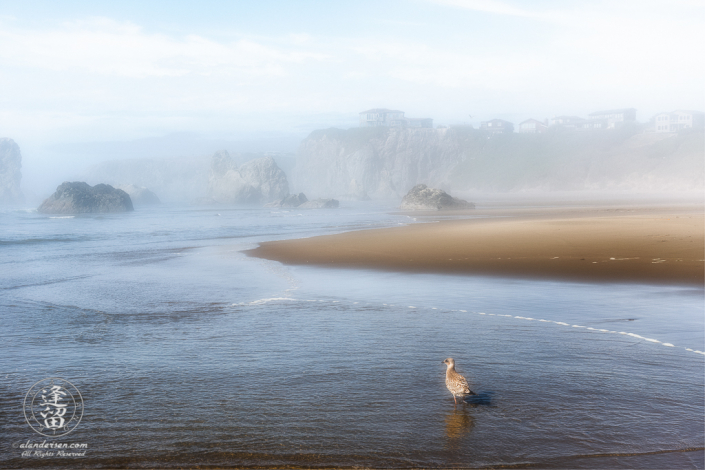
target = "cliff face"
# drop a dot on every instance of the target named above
(386, 163)
(375, 162)
(255, 182)
(10, 175)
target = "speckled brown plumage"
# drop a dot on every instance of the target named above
(456, 383)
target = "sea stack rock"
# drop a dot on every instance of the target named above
(81, 198)
(256, 182)
(139, 194)
(423, 198)
(10, 175)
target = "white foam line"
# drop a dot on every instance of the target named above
(264, 301)
(602, 330)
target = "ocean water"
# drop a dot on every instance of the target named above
(186, 352)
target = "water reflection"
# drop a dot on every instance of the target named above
(459, 422)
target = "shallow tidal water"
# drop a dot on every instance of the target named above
(187, 352)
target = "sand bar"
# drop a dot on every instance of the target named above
(629, 244)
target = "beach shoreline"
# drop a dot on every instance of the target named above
(662, 244)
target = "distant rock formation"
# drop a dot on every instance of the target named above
(374, 162)
(10, 175)
(320, 204)
(423, 198)
(255, 182)
(139, 194)
(81, 198)
(293, 200)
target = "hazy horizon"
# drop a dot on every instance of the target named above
(84, 81)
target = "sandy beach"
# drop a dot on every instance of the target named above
(629, 244)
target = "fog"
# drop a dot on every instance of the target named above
(85, 86)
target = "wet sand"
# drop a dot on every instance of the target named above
(628, 244)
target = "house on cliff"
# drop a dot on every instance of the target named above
(497, 126)
(677, 120)
(391, 118)
(569, 122)
(532, 126)
(614, 117)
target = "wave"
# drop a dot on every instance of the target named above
(559, 323)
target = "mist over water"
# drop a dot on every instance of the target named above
(186, 351)
(216, 115)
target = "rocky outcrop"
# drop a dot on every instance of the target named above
(10, 175)
(255, 182)
(423, 198)
(320, 204)
(139, 194)
(81, 198)
(374, 162)
(293, 200)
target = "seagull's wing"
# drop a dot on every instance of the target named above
(464, 385)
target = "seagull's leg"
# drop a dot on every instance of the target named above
(456, 401)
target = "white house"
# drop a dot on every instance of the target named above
(381, 117)
(677, 120)
(391, 118)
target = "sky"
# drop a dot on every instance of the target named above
(98, 71)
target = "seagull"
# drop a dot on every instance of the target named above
(456, 383)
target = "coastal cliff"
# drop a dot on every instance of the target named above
(387, 162)
(10, 174)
